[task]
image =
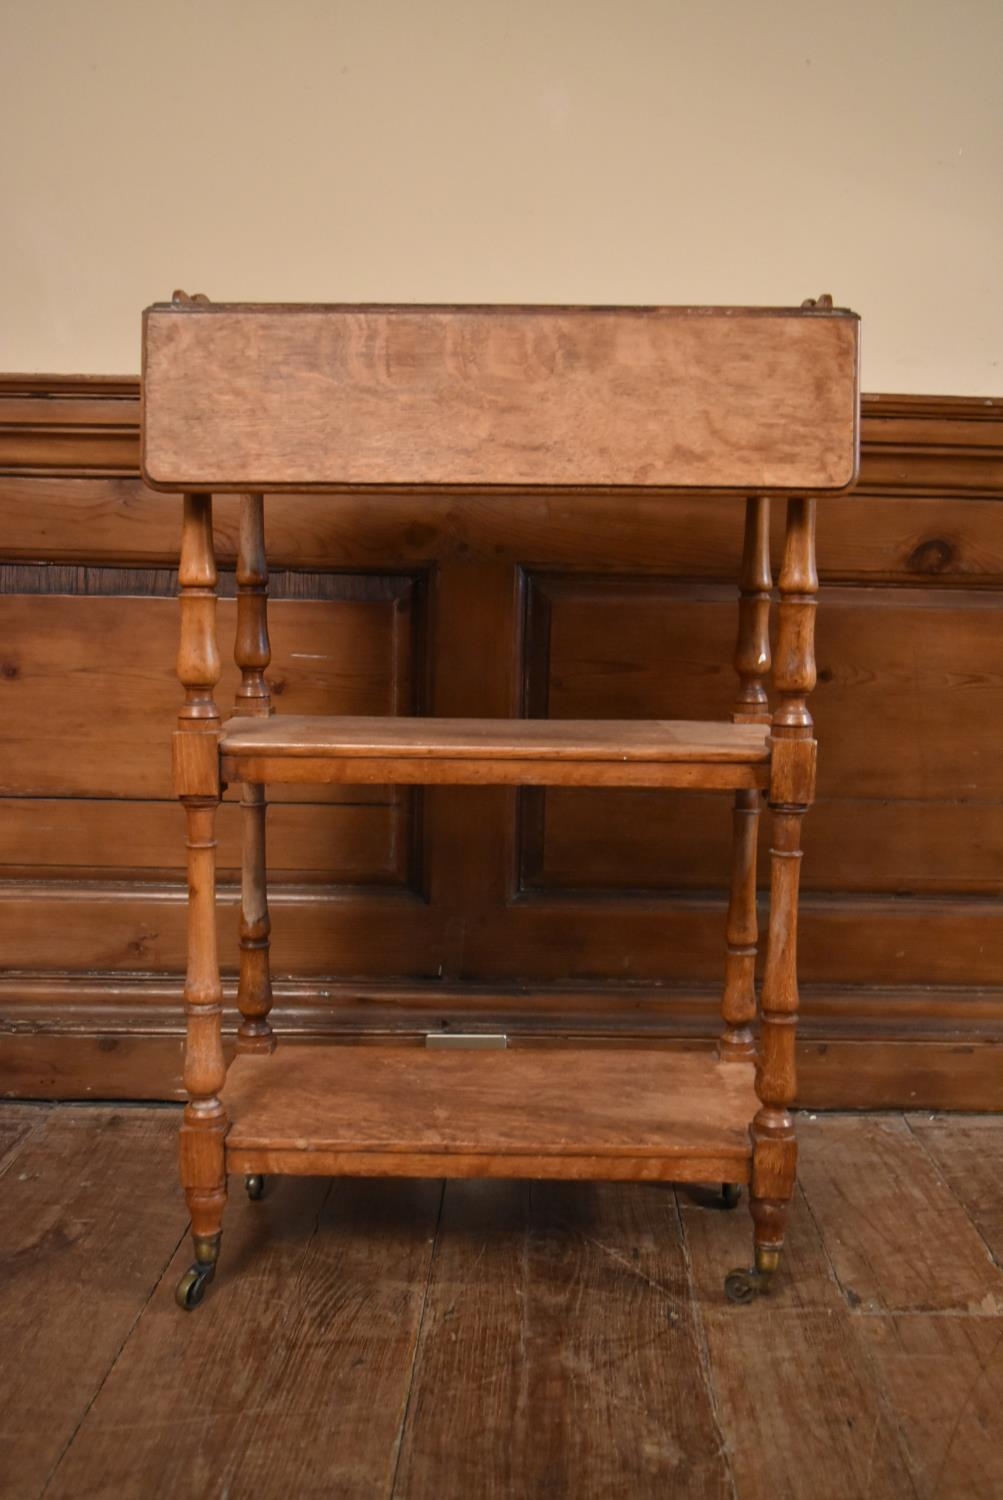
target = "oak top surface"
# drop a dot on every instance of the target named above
(286, 397)
(566, 1101)
(571, 739)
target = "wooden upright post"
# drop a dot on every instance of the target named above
(752, 663)
(792, 790)
(196, 778)
(252, 653)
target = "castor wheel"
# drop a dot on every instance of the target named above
(731, 1192)
(255, 1186)
(744, 1286)
(191, 1287)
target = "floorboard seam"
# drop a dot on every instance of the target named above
(417, 1347)
(917, 1135)
(12, 1153)
(113, 1362)
(703, 1348)
(962, 1409)
(870, 1364)
(295, 1299)
(802, 1194)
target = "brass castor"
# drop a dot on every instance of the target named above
(743, 1286)
(191, 1287)
(731, 1192)
(255, 1186)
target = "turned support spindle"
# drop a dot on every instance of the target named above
(196, 776)
(252, 654)
(252, 651)
(792, 789)
(752, 664)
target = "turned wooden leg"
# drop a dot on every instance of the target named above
(254, 990)
(792, 790)
(738, 1006)
(203, 1162)
(196, 781)
(774, 1144)
(752, 664)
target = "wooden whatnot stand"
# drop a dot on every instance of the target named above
(514, 400)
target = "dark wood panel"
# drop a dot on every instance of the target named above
(909, 537)
(627, 646)
(120, 1037)
(610, 840)
(847, 940)
(93, 927)
(57, 1064)
(75, 665)
(357, 842)
(123, 1003)
(591, 914)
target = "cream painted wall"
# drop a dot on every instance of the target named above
(436, 150)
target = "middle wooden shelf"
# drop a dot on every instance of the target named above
(498, 752)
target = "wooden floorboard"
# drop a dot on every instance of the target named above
(968, 1151)
(405, 1340)
(17, 1123)
(908, 1245)
(943, 1379)
(797, 1398)
(558, 1352)
(292, 1378)
(88, 1220)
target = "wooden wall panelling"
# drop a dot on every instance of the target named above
(558, 914)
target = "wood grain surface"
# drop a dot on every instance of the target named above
(84, 1239)
(419, 1340)
(527, 1104)
(494, 752)
(267, 398)
(490, 739)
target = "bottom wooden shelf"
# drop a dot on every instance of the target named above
(591, 1113)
